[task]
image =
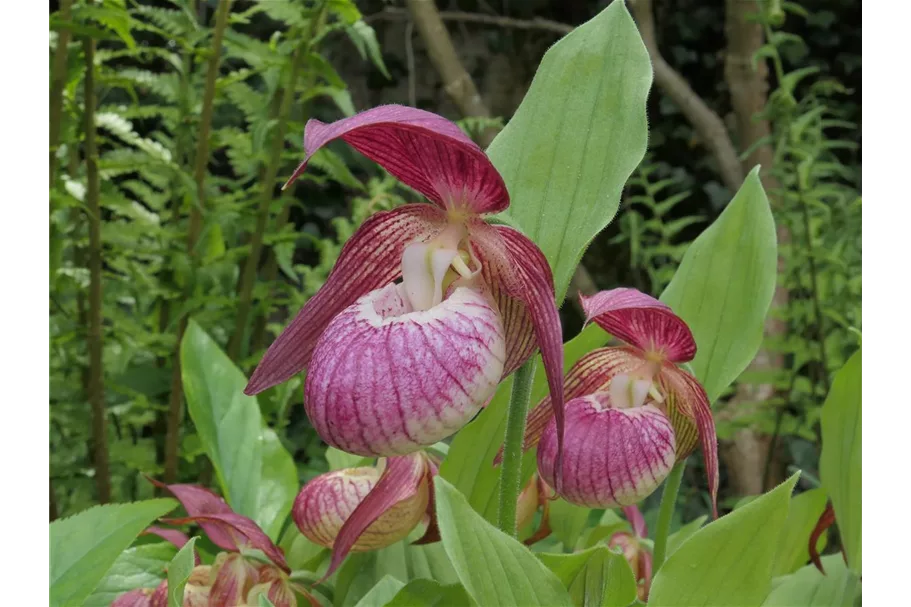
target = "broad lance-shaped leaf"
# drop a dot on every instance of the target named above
(179, 572)
(729, 561)
(494, 568)
(807, 587)
(576, 138)
(380, 595)
(724, 286)
(256, 473)
(137, 567)
(429, 593)
(597, 576)
(228, 422)
(85, 545)
(840, 462)
(793, 551)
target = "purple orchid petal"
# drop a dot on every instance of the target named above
(159, 597)
(520, 330)
(386, 380)
(141, 597)
(688, 406)
(197, 501)
(422, 150)
(174, 536)
(519, 267)
(234, 578)
(242, 530)
(636, 520)
(614, 457)
(371, 259)
(642, 321)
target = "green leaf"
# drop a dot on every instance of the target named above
(793, 545)
(179, 571)
(724, 286)
(265, 602)
(567, 521)
(840, 462)
(839, 587)
(597, 576)
(300, 552)
(339, 459)
(227, 420)
(137, 567)
(428, 593)
(676, 539)
(403, 561)
(84, 546)
(576, 138)
(729, 561)
(469, 463)
(494, 568)
(384, 591)
(278, 485)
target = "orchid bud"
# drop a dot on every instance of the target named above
(159, 597)
(278, 591)
(614, 457)
(638, 557)
(326, 503)
(232, 578)
(140, 597)
(529, 500)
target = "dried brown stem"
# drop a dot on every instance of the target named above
(96, 328)
(175, 403)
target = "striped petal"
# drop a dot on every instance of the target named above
(363, 509)
(386, 380)
(198, 501)
(422, 150)
(243, 531)
(370, 259)
(591, 373)
(520, 269)
(234, 577)
(614, 457)
(642, 321)
(141, 597)
(636, 520)
(691, 415)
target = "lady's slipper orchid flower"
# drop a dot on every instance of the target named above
(232, 579)
(392, 368)
(366, 508)
(631, 413)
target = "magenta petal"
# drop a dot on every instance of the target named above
(521, 269)
(197, 501)
(371, 259)
(401, 480)
(636, 520)
(244, 532)
(692, 402)
(641, 320)
(175, 536)
(422, 150)
(141, 597)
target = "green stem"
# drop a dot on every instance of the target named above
(511, 468)
(666, 513)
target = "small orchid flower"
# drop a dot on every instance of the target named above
(366, 508)
(636, 554)
(392, 368)
(232, 579)
(631, 412)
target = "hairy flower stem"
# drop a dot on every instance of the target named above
(666, 513)
(172, 438)
(511, 468)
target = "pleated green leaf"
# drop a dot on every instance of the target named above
(597, 576)
(793, 547)
(428, 593)
(839, 587)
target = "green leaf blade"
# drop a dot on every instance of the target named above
(494, 568)
(724, 287)
(84, 546)
(576, 138)
(728, 562)
(179, 571)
